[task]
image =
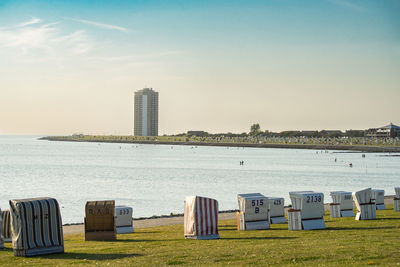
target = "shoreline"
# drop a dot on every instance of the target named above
(155, 217)
(354, 148)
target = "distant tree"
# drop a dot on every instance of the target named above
(323, 133)
(309, 133)
(355, 133)
(255, 129)
(289, 133)
(197, 133)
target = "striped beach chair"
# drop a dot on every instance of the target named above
(1, 232)
(201, 218)
(6, 225)
(36, 227)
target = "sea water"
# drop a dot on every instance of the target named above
(155, 179)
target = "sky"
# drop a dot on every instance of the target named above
(219, 66)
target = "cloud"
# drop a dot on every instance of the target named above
(30, 22)
(134, 59)
(44, 38)
(76, 42)
(27, 38)
(101, 25)
(140, 56)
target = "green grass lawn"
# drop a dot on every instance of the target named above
(344, 242)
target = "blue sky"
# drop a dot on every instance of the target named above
(218, 65)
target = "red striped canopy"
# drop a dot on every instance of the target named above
(201, 218)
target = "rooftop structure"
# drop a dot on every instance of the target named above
(389, 130)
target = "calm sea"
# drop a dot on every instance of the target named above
(155, 179)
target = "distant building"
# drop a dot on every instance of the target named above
(146, 112)
(390, 130)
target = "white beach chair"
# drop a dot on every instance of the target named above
(310, 204)
(253, 212)
(342, 204)
(365, 207)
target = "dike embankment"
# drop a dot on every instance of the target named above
(353, 148)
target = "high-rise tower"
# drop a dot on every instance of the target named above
(146, 112)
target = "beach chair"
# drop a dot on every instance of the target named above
(253, 212)
(36, 227)
(396, 200)
(307, 211)
(276, 210)
(100, 220)
(342, 204)
(201, 218)
(378, 196)
(365, 206)
(1, 232)
(123, 219)
(6, 225)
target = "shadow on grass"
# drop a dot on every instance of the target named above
(391, 218)
(235, 229)
(149, 232)
(259, 238)
(89, 256)
(138, 240)
(278, 229)
(6, 249)
(360, 228)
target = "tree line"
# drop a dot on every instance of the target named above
(255, 130)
